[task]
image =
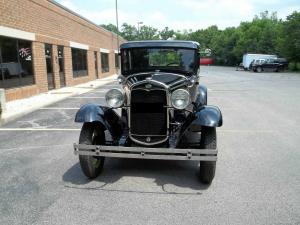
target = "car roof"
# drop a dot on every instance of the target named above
(160, 43)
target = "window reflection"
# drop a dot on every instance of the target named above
(79, 62)
(117, 60)
(104, 62)
(15, 63)
(165, 59)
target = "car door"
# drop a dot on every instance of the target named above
(273, 65)
(265, 65)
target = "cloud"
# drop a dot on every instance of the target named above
(199, 14)
(222, 13)
(180, 14)
(105, 16)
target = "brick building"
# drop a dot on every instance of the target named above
(45, 46)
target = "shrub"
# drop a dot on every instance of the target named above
(294, 66)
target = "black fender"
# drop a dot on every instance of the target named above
(202, 96)
(209, 116)
(90, 113)
(106, 116)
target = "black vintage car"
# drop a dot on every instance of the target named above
(164, 111)
(275, 65)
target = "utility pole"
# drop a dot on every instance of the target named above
(118, 44)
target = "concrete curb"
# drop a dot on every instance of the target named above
(18, 108)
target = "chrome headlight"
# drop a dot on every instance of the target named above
(114, 98)
(180, 99)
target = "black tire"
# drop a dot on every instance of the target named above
(208, 141)
(279, 69)
(259, 69)
(91, 133)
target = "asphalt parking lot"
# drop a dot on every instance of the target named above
(257, 179)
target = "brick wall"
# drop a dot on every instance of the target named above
(39, 66)
(57, 26)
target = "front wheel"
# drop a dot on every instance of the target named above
(208, 141)
(259, 69)
(91, 134)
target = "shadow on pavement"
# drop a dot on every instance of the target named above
(183, 174)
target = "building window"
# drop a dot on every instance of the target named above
(104, 62)
(79, 61)
(15, 63)
(117, 60)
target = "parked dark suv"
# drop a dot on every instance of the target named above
(276, 65)
(164, 111)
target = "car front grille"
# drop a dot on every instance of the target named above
(148, 115)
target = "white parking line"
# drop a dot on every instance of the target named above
(11, 150)
(57, 108)
(100, 91)
(112, 85)
(39, 129)
(85, 97)
(218, 97)
(245, 131)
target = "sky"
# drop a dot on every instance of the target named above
(179, 14)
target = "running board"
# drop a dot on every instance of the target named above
(146, 153)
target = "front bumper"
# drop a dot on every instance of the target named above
(146, 153)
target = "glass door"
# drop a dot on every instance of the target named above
(48, 55)
(61, 64)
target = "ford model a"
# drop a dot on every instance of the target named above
(164, 111)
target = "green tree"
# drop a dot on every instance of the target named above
(264, 34)
(129, 32)
(182, 35)
(290, 44)
(147, 33)
(166, 34)
(223, 45)
(258, 36)
(111, 27)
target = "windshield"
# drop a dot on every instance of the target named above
(164, 59)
